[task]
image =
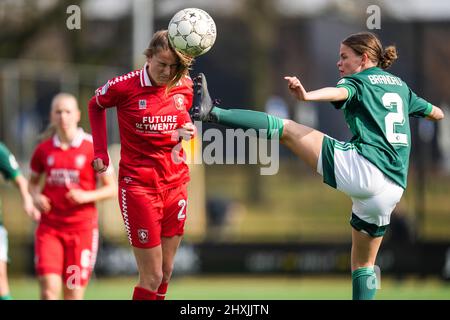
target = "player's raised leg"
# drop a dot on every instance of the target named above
(305, 142)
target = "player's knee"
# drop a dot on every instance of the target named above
(49, 294)
(151, 281)
(167, 272)
(155, 279)
(287, 130)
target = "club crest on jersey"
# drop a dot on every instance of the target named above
(127, 179)
(80, 160)
(179, 102)
(50, 161)
(143, 235)
(142, 104)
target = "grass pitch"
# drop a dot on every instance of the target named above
(251, 288)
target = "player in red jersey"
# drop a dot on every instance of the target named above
(66, 239)
(152, 105)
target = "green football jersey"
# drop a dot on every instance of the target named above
(377, 112)
(9, 168)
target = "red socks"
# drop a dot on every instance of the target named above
(143, 294)
(161, 294)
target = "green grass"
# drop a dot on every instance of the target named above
(296, 205)
(254, 288)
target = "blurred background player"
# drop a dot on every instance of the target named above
(66, 239)
(152, 105)
(10, 170)
(372, 168)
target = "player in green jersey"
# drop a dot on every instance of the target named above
(372, 167)
(10, 170)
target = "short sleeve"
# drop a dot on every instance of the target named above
(8, 164)
(418, 107)
(107, 96)
(351, 86)
(37, 161)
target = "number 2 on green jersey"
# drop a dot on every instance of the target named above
(394, 118)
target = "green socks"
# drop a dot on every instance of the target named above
(364, 281)
(247, 119)
(6, 297)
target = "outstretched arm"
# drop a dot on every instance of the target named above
(436, 114)
(324, 94)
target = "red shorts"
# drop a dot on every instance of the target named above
(150, 216)
(70, 254)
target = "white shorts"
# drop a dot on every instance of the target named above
(374, 195)
(3, 244)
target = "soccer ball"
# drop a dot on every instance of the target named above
(192, 31)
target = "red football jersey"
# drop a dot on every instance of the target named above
(65, 170)
(148, 117)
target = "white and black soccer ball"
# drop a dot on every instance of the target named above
(192, 31)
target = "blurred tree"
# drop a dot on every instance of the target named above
(261, 18)
(22, 21)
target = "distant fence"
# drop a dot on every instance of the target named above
(420, 259)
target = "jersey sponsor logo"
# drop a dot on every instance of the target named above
(157, 124)
(63, 177)
(80, 160)
(142, 104)
(142, 235)
(179, 102)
